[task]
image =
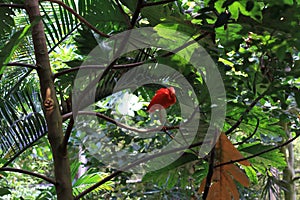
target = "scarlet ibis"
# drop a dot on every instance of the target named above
(163, 98)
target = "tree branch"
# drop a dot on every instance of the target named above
(260, 153)
(122, 66)
(126, 17)
(21, 65)
(121, 125)
(209, 174)
(203, 35)
(158, 3)
(67, 134)
(239, 121)
(12, 5)
(250, 136)
(23, 171)
(136, 13)
(79, 17)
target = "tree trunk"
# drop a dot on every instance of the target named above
(50, 104)
(289, 171)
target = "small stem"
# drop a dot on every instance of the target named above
(108, 119)
(158, 3)
(68, 134)
(250, 136)
(23, 171)
(21, 65)
(239, 121)
(102, 67)
(79, 17)
(136, 13)
(12, 5)
(209, 174)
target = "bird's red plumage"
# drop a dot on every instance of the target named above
(163, 98)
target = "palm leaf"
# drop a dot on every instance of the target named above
(22, 123)
(59, 23)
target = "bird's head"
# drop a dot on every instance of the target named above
(172, 91)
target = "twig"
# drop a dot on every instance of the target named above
(12, 5)
(239, 121)
(79, 17)
(121, 125)
(210, 168)
(122, 66)
(209, 174)
(23, 171)
(21, 65)
(203, 35)
(137, 162)
(260, 153)
(67, 134)
(126, 17)
(250, 136)
(136, 13)
(158, 3)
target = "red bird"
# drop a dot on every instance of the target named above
(163, 98)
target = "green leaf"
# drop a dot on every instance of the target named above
(8, 50)
(4, 191)
(251, 173)
(168, 176)
(272, 158)
(90, 178)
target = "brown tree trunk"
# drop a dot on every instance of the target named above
(50, 104)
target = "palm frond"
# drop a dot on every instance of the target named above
(59, 23)
(22, 123)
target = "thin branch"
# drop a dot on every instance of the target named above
(250, 136)
(21, 65)
(68, 134)
(158, 3)
(239, 121)
(126, 17)
(211, 167)
(73, 69)
(137, 162)
(121, 125)
(12, 5)
(136, 13)
(79, 17)
(23, 171)
(203, 35)
(209, 174)
(260, 153)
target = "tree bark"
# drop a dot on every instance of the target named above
(289, 171)
(50, 104)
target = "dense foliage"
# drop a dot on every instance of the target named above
(255, 48)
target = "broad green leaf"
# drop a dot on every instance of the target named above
(272, 158)
(169, 174)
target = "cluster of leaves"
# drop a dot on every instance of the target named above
(254, 44)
